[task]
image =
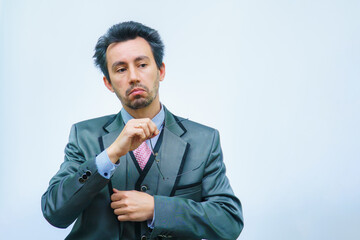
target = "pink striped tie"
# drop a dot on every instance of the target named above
(142, 154)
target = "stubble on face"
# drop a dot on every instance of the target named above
(139, 101)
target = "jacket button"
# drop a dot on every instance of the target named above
(143, 237)
(81, 180)
(144, 188)
(84, 176)
(88, 173)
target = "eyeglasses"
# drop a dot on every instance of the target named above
(157, 160)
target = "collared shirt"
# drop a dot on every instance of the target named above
(105, 167)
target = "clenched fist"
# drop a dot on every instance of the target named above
(134, 133)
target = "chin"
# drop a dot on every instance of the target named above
(139, 103)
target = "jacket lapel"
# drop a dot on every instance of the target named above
(172, 154)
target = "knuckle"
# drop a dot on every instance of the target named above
(126, 203)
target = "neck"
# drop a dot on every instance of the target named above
(146, 112)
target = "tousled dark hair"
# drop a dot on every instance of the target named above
(122, 32)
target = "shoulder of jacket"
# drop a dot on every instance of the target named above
(195, 127)
(96, 122)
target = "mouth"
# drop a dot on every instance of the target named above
(136, 91)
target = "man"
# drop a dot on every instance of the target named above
(143, 173)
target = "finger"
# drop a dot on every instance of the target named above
(138, 123)
(123, 218)
(120, 211)
(140, 134)
(146, 129)
(153, 128)
(117, 205)
(131, 217)
(117, 195)
(148, 126)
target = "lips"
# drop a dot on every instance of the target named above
(136, 91)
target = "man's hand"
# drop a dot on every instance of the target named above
(132, 205)
(134, 133)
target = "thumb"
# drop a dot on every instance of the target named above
(115, 190)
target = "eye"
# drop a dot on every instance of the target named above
(142, 65)
(120, 70)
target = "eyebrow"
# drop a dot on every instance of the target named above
(141, 58)
(117, 63)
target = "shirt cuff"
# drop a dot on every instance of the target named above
(105, 167)
(151, 224)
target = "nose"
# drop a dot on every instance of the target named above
(133, 75)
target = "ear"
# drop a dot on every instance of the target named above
(108, 84)
(162, 72)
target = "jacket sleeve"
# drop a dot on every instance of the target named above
(217, 216)
(73, 187)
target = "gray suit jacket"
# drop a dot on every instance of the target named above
(193, 197)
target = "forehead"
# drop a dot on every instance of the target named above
(128, 51)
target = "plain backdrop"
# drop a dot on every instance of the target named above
(279, 79)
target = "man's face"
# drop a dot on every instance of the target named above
(134, 76)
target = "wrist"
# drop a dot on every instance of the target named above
(152, 209)
(114, 154)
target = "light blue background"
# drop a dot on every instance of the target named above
(279, 79)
